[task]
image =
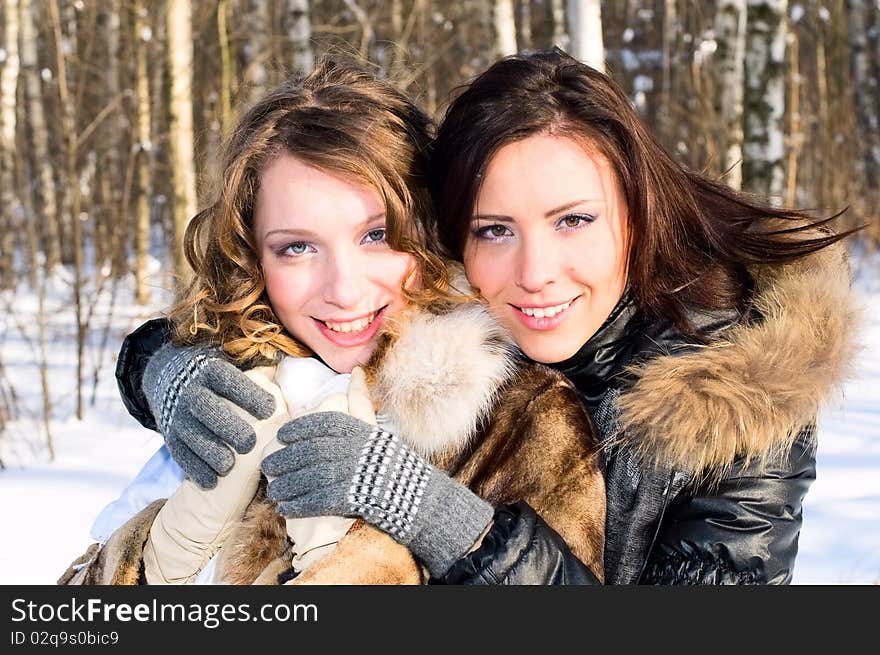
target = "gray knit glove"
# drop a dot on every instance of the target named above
(184, 386)
(335, 464)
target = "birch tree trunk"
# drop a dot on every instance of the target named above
(585, 32)
(764, 100)
(504, 23)
(182, 157)
(730, 35)
(299, 35)
(255, 18)
(8, 91)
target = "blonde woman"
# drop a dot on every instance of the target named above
(315, 257)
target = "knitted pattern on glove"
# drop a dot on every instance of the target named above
(185, 388)
(335, 464)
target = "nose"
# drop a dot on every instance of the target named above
(343, 277)
(536, 265)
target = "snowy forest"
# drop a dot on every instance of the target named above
(112, 113)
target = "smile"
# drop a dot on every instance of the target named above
(355, 325)
(351, 331)
(546, 317)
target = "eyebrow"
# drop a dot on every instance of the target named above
(501, 218)
(308, 233)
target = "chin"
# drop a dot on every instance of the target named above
(549, 353)
(343, 362)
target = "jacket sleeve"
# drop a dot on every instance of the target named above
(519, 549)
(137, 348)
(742, 531)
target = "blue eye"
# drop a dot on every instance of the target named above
(574, 221)
(492, 232)
(295, 249)
(375, 236)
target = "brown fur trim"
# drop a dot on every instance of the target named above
(750, 394)
(254, 544)
(118, 562)
(541, 447)
(78, 565)
(364, 556)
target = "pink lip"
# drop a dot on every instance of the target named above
(351, 339)
(545, 323)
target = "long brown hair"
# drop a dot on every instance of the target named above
(692, 239)
(340, 119)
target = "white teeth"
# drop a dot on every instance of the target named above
(351, 326)
(542, 312)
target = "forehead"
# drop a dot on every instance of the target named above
(544, 167)
(294, 194)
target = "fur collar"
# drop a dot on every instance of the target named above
(750, 394)
(439, 377)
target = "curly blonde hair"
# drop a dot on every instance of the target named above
(342, 120)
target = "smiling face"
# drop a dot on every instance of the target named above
(330, 275)
(547, 244)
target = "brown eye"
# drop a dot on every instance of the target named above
(574, 221)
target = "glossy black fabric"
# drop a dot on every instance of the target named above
(137, 348)
(719, 535)
(518, 536)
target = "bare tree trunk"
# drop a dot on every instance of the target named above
(47, 204)
(505, 28)
(730, 35)
(24, 171)
(68, 120)
(162, 192)
(368, 33)
(299, 34)
(670, 42)
(226, 65)
(9, 202)
(115, 130)
(397, 16)
(183, 174)
(585, 30)
(44, 364)
(560, 35)
(763, 143)
(524, 7)
(795, 134)
(865, 85)
(143, 147)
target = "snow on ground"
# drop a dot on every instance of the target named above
(47, 508)
(840, 539)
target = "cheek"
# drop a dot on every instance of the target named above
(485, 270)
(391, 270)
(285, 288)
